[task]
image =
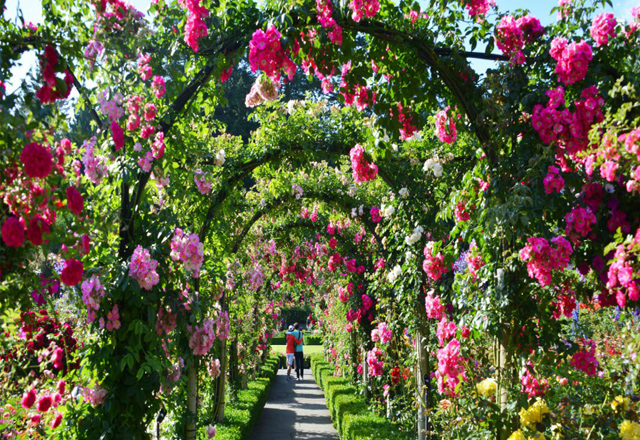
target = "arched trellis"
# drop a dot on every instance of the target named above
(315, 194)
(309, 195)
(467, 95)
(280, 152)
(426, 52)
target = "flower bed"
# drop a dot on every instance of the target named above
(349, 410)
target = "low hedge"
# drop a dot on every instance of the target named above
(349, 410)
(308, 340)
(241, 415)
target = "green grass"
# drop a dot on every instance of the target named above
(308, 349)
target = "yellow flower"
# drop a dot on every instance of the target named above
(630, 430)
(556, 431)
(621, 403)
(487, 387)
(534, 414)
(518, 435)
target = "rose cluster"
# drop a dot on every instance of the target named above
(446, 127)
(325, 17)
(363, 8)
(195, 28)
(579, 222)
(603, 28)
(92, 294)
(450, 368)
(264, 89)
(542, 259)
(189, 250)
(569, 130)
(479, 8)
(621, 276)
(143, 268)
(266, 53)
(363, 171)
(553, 181)
(53, 88)
(573, 59)
(202, 338)
(202, 183)
(510, 39)
(433, 265)
(374, 362)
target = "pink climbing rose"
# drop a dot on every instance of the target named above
(510, 39)
(37, 160)
(363, 171)
(117, 134)
(142, 268)
(530, 27)
(433, 306)
(553, 181)
(450, 370)
(195, 28)
(479, 8)
(446, 127)
(542, 259)
(603, 28)
(375, 215)
(158, 86)
(433, 265)
(573, 59)
(202, 338)
(363, 8)
(189, 250)
(13, 232)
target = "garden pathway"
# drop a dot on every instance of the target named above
(295, 410)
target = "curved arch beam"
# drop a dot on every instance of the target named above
(278, 202)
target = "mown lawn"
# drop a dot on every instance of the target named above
(308, 349)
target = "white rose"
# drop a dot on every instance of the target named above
(437, 170)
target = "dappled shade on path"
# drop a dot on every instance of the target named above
(295, 410)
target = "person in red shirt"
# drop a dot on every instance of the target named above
(291, 348)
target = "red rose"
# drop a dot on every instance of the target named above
(117, 134)
(29, 398)
(37, 160)
(56, 421)
(72, 272)
(61, 386)
(58, 357)
(51, 55)
(44, 403)
(65, 143)
(85, 244)
(35, 230)
(75, 202)
(13, 232)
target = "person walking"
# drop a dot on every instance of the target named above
(298, 354)
(290, 351)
